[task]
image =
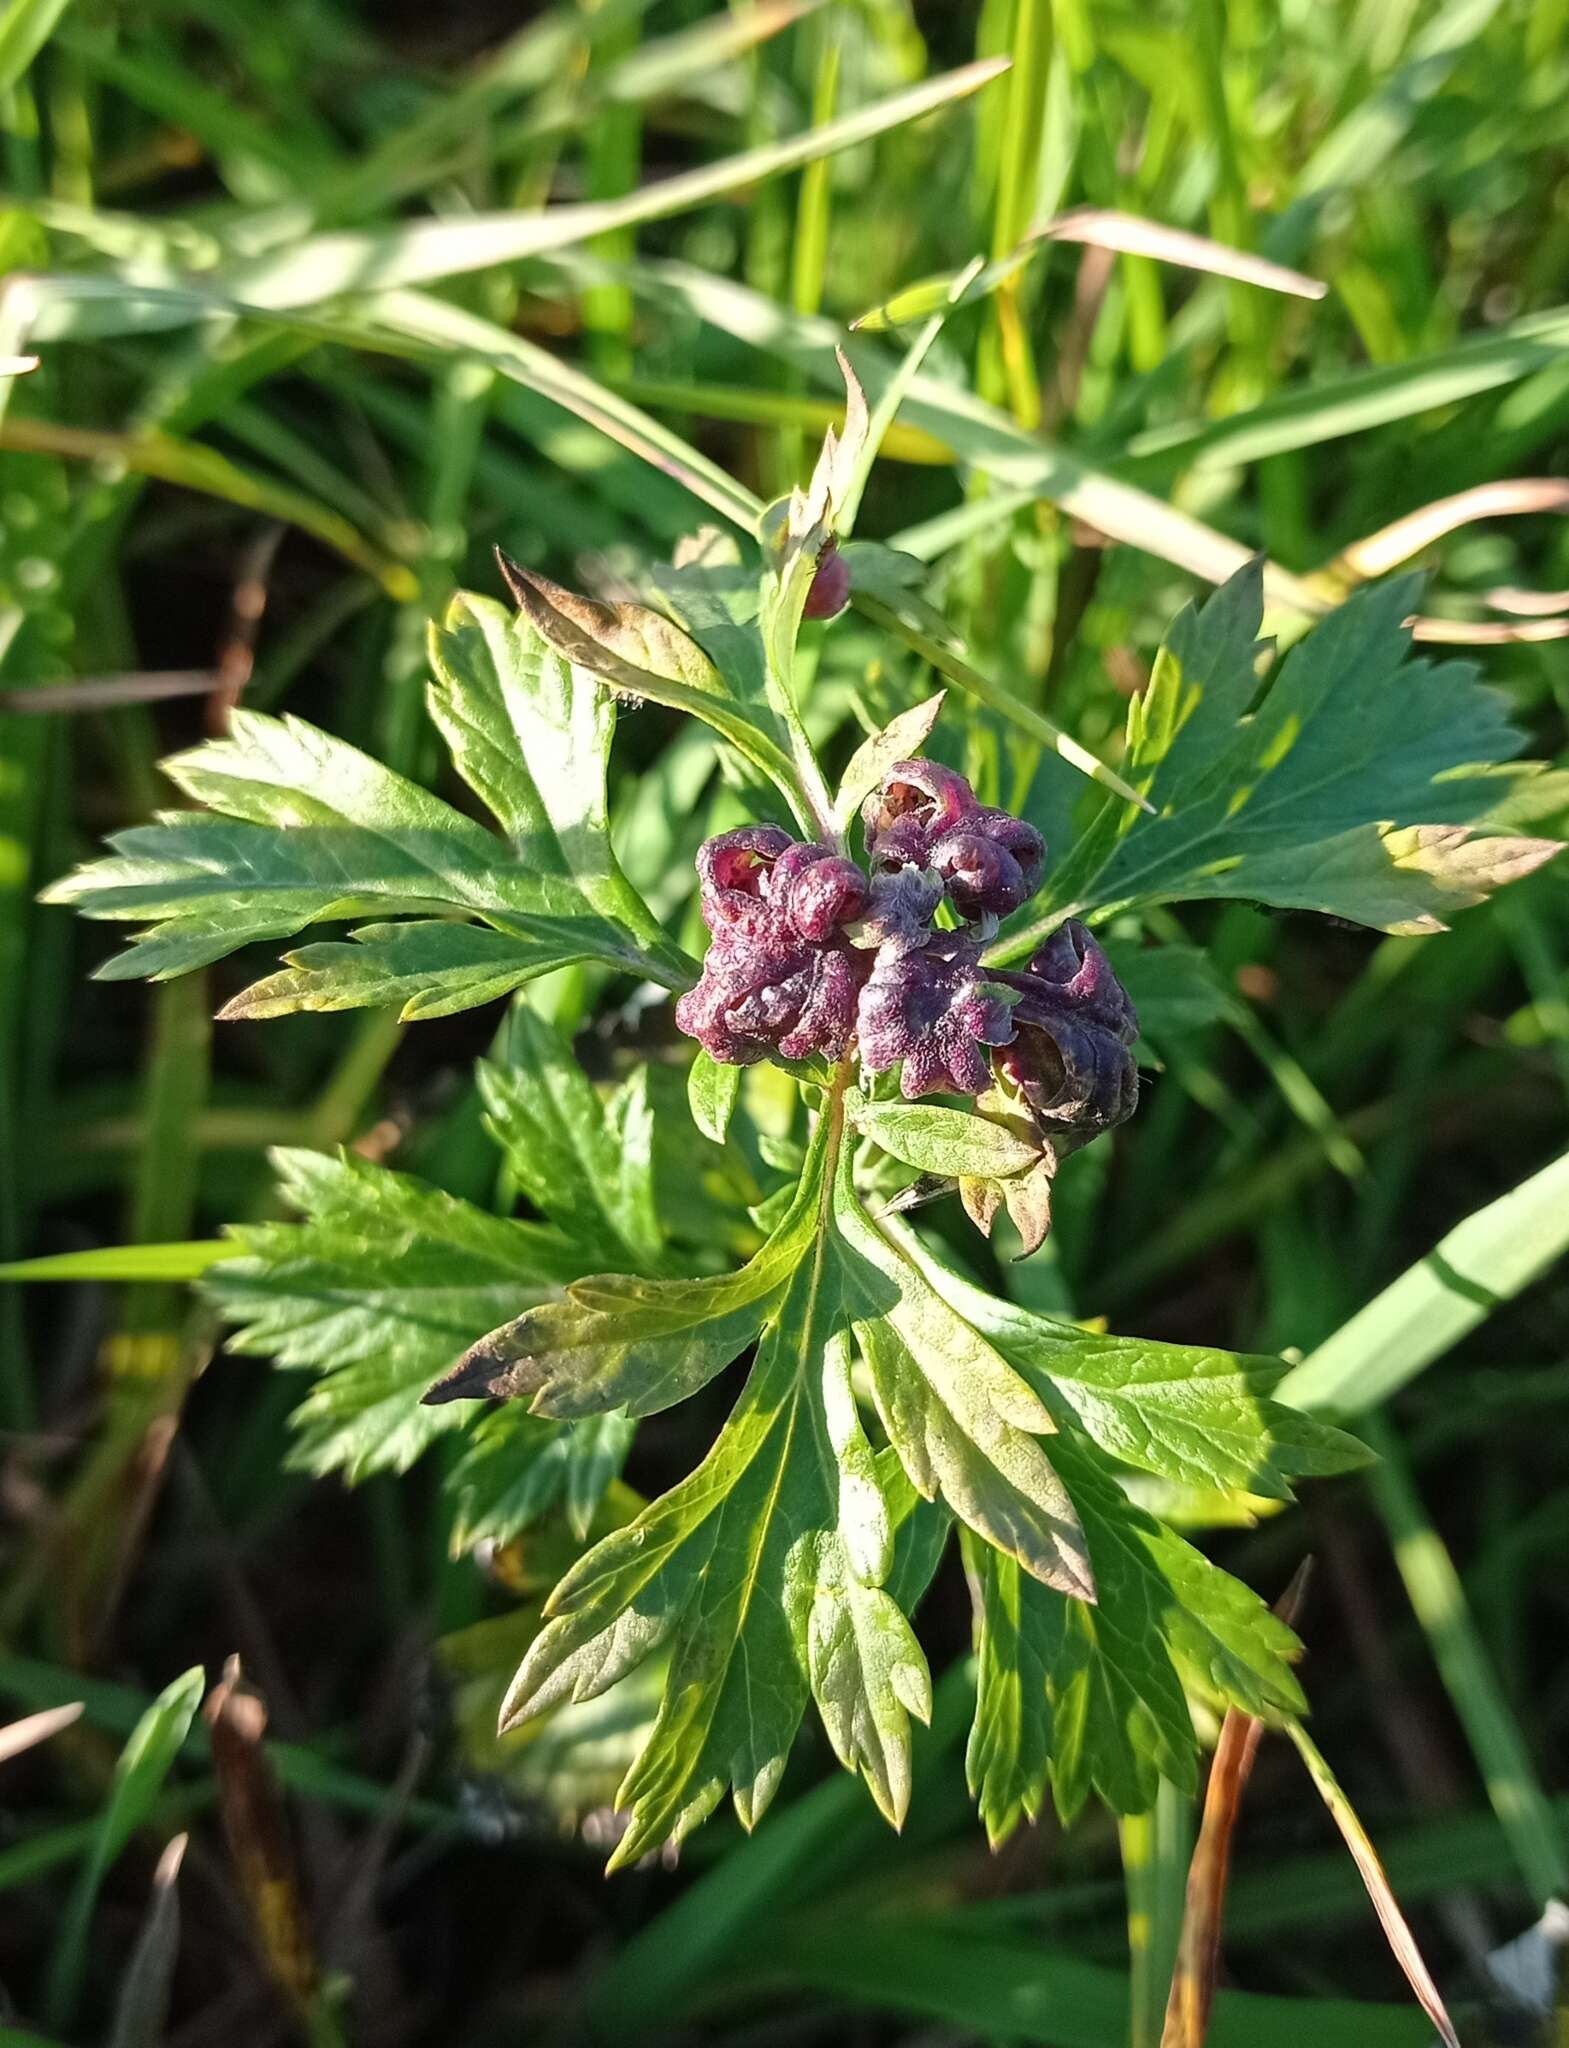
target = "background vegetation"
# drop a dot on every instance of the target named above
(198, 505)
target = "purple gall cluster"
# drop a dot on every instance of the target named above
(810, 955)
(781, 975)
(1070, 1059)
(926, 816)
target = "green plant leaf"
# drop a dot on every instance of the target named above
(302, 827)
(641, 654)
(586, 1164)
(517, 1467)
(617, 1340)
(377, 1290)
(761, 1573)
(425, 967)
(1196, 1416)
(946, 1141)
(531, 736)
(964, 1423)
(712, 1089)
(139, 1773)
(1352, 785)
(779, 1570)
(1112, 1716)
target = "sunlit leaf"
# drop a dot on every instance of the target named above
(1353, 782)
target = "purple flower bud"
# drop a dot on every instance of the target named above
(991, 865)
(926, 816)
(933, 1009)
(779, 977)
(830, 591)
(821, 890)
(899, 915)
(1071, 1056)
(918, 804)
(733, 873)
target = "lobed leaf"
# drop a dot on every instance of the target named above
(302, 828)
(378, 1288)
(1355, 782)
(587, 1164)
(1186, 1413)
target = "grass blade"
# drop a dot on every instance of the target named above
(326, 267)
(25, 26)
(981, 436)
(1362, 399)
(142, 2009)
(124, 1262)
(1482, 1263)
(1438, 1598)
(144, 1763)
(1402, 1941)
(1102, 227)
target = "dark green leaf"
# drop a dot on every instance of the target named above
(377, 1290)
(1355, 784)
(588, 1165)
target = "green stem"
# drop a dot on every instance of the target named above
(1433, 1587)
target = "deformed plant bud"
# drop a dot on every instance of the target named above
(926, 816)
(780, 975)
(1070, 1059)
(830, 591)
(991, 865)
(933, 1008)
(919, 802)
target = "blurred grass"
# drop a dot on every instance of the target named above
(588, 406)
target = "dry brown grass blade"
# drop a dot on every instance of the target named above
(1198, 1951)
(1102, 227)
(1509, 497)
(256, 1829)
(36, 1728)
(104, 693)
(1488, 632)
(1397, 1931)
(1526, 604)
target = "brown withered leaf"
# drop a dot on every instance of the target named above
(982, 1199)
(1028, 1198)
(256, 1828)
